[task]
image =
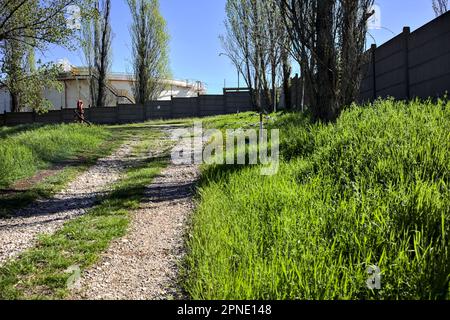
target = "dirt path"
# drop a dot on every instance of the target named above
(143, 265)
(45, 217)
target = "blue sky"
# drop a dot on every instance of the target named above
(194, 27)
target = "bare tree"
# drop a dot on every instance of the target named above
(237, 42)
(351, 45)
(150, 49)
(327, 39)
(440, 7)
(254, 42)
(275, 34)
(287, 71)
(96, 43)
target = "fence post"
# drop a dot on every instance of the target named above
(295, 84)
(171, 113)
(373, 49)
(144, 112)
(406, 33)
(225, 104)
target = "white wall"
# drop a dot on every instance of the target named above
(55, 97)
(79, 89)
(178, 89)
(5, 101)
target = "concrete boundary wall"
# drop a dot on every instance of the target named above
(411, 65)
(177, 108)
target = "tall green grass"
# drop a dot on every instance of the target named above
(24, 151)
(371, 189)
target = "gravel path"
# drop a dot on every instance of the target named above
(46, 216)
(143, 265)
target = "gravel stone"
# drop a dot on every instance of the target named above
(19, 233)
(143, 265)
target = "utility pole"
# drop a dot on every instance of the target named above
(239, 76)
(237, 69)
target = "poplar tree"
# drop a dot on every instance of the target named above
(150, 49)
(440, 7)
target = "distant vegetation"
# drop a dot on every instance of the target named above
(370, 189)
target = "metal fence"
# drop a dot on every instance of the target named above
(410, 65)
(201, 106)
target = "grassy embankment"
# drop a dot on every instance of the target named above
(40, 273)
(27, 151)
(371, 189)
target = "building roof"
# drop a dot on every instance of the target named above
(83, 72)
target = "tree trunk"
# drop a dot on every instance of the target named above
(15, 102)
(274, 85)
(104, 54)
(325, 95)
(286, 80)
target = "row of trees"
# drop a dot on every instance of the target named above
(440, 6)
(27, 26)
(96, 44)
(256, 41)
(326, 39)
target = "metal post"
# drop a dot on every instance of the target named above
(239, 75)
(373, 49)
(406, 33)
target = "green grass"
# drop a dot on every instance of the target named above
(230, 121)
(87, 145)
(40, 273)
(233, 121)
(10, 202)
(25, 150)
(371, 189)
(8, 131)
